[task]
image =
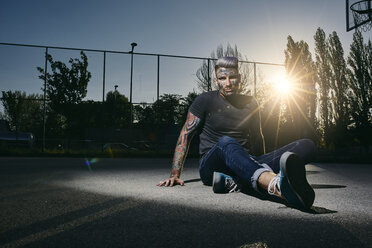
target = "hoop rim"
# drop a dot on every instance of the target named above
(362, 11)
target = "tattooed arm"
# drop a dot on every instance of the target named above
(182, 147)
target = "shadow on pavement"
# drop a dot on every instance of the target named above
(327, 186)
(312, 210)
(192, 180)
(265, 197)
(155, 224)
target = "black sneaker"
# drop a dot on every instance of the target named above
(291, 182)
(223, 183)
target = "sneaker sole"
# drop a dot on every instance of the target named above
(216, 182)
(293, 168)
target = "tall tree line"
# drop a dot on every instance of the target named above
(336, 89)
(302, 103)
(360, 80)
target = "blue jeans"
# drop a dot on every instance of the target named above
(229, 157)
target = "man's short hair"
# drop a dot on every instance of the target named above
(227, 62)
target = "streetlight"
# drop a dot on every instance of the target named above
(133, 44)
(115, 91)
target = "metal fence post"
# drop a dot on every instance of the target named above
(131, 87)
(44, 100)
(158, 81)
(255, 80)
(104, 76)
(209, 77)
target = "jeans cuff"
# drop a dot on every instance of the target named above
(257, 174)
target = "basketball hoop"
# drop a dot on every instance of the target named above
(362, 14)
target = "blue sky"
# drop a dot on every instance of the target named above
(190, 28)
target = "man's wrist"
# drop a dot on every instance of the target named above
(175, 173)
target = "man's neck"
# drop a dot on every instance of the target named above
(228, 98)
(236, 100)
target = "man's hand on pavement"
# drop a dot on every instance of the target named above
(171, 182)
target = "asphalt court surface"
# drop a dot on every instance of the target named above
(73, 202)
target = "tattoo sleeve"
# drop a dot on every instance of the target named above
(183, 143)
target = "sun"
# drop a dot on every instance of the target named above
(283, 86)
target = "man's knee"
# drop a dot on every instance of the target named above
(206, 176)
(206, 181)
(308, 144)
(309, 149)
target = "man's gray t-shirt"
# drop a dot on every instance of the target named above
(238, 118)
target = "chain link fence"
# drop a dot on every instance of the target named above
(134, 101)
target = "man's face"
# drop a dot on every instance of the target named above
(227, 80)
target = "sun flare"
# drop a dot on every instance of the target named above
(283, 86)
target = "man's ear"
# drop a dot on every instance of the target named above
(216, 83)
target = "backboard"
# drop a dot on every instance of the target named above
(358, 15)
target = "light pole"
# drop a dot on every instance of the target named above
(115, 91)
(131, 82)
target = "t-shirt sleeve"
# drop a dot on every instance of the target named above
(198, 107)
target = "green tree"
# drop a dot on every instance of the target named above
(23, 112)
(360, 76)
(67, 86)
(339, 89)
(144, 114)
(168, 109)
(202, 74)
(185, 105)
(301, 68)
(91, 114)
(323, 69)
(117, 109)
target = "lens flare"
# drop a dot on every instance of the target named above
(283, 86)
(88, 162)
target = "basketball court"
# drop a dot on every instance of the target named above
(93, 202)
(67, 202)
